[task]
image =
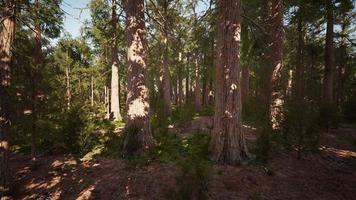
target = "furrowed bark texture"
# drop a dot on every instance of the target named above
(228, 143)
(6, 40)
(115, 92)
(139, 137)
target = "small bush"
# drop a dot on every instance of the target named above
(299, 127)
(181, 116)
(329, 116)
(349, 110)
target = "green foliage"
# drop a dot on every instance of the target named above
(251, 110)
(181, 116)
(349, 110)
(299, 128)
(329, 116)
(207, 111)
(189, 155)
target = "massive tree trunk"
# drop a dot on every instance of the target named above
(328, 82)
(6, 41)
(197, 88)
(228, 143)
(245, 83)
(138, 135)
(115, 96)
(271, 72)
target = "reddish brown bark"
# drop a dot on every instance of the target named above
(328, 82)
(138, 137)
(228, 143)
(165, 79)
(270, 73)
(245, 83)
(115, 89)
(6, 40)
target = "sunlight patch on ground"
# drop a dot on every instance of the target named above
(339, 152)
(86, 193)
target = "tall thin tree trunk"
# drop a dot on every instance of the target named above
(92, 91)
(343, 69)
(228, 142)
(328, 82)
(165, 80)
(67, 71)
(299, 71)
(197, 88)
(180, 86)
(6, 40)
(115, 99)
(37, 64)
(138, 138)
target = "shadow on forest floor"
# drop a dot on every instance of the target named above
(330, 174)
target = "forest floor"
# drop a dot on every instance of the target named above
(329, 174)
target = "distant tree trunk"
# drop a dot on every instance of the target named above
(273, 57)
(92, 91)
(328, 82)
(37, 55)
(187, 82)
(115, 100)
(228, 142)
(165, 80)
(138, 137)
(343, 71)
(6, 40)
(299, 70)
(67, 71)
(180, 87)
(245, 83)
(197, 88)
(106, 102)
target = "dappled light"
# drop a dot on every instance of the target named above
(177, 99)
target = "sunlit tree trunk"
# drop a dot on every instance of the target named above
(6, 40)
(138, 137)
(68, 87)
(197, 88)
(228, 143)
(271, 71)
(115, 100)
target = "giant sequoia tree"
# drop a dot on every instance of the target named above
(138, 135)
(6, 40)
(228, 142)
(115, 100)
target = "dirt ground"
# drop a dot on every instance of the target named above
(330, 174)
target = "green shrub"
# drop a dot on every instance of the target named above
(181, 116)
(329, 116)
(299, 127)
(349, 110)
